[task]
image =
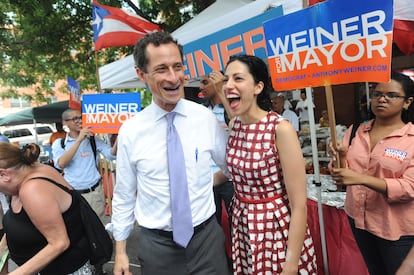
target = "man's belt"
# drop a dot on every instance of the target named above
(90, 189)
(169, 234)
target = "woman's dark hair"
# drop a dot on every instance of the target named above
(407, 84)
(13, 156)
(258, 69)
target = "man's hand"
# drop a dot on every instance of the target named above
(85, 132)
(121, 266)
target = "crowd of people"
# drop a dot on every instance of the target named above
(179, 163)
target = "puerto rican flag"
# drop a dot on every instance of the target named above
(403, 31)
(113, 27)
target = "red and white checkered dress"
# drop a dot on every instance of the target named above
(260, 208)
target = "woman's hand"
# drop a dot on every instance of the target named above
(289, 268)
(335, 152)
(345, 176)
(217, 79)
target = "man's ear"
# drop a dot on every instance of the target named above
(141, 74)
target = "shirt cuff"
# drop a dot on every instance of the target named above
(120, 233)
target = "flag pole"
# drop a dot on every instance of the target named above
(97, 71)
(111, 168)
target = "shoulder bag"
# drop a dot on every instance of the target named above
(100, 243)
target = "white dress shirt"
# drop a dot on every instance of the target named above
(303, 113)
(142, 189)
(292, 118)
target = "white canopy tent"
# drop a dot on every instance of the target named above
(223, 13)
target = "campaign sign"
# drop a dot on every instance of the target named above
(333, 42)
(105, 113)
(74, 91)
(212, 52)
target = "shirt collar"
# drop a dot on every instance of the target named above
(179, 109)
(69, 138)
(407, 129)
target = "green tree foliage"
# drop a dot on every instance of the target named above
(42, 41)
(173, 13)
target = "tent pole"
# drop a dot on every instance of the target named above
(35, 130)
(317, 181)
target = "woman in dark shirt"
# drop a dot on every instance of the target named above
(43, 226)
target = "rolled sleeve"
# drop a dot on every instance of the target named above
(104, 149)
(401, 189)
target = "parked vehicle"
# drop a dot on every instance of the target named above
(28, 133)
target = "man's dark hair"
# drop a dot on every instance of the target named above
(155, 38)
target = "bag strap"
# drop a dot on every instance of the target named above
(93, 145)
(353, 132)
(54, 182)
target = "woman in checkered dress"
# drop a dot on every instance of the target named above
(269, 231)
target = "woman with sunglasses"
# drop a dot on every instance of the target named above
(378, 174)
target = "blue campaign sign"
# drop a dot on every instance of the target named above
(213, 51)
(73, 87)
(74, 91)
(105, 113)
(333, 42)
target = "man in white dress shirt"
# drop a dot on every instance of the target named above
(302, 108)
(142, 191)
(278, 103)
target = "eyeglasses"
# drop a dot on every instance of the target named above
(74, 119)
(388, 95)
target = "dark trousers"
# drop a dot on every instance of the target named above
(158, 254)
(223, 192)
(382, 257)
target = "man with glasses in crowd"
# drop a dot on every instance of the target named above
(76, 157)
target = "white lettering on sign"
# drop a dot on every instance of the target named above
(110, 118)
(321, 45)
(108, 108)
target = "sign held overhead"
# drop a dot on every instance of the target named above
(334, 42)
